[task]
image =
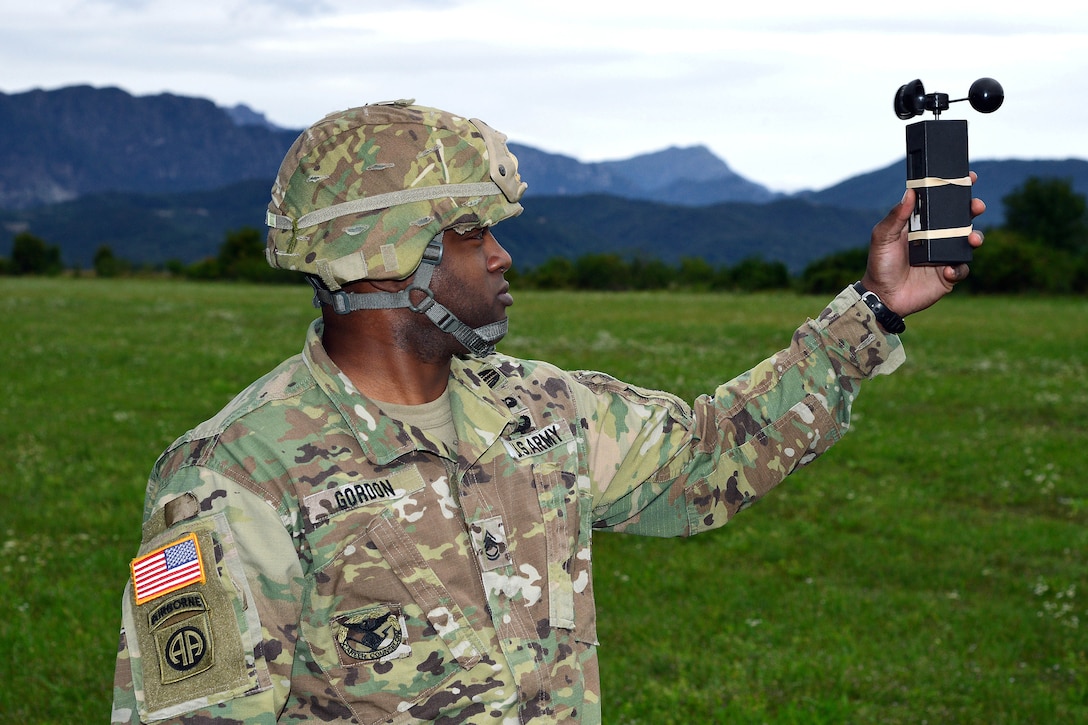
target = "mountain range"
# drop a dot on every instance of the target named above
(164, 177)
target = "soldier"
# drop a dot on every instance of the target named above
(395, 525)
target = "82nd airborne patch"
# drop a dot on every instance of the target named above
(183, 637)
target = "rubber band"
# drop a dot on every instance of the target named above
(931, 181)
(939, 233)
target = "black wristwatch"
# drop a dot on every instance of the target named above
(889, 320)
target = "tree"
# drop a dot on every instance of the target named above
(648, 274)
(31, 255)
(1010, 264)
(1006, 264)
(754, 273)
(555, 273)
(696, 273)
(241, 251)
(830, 274)
(1050, 212)
(602, 271)
(241, 256)
(106, 264)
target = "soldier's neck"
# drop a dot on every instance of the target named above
(383, 360)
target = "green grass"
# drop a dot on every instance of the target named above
(930, 568)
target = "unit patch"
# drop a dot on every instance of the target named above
(489, 541)
(167, 569)
(183, 637)
(371, 635)
(343, 497)
(538, 441)
(192, 646)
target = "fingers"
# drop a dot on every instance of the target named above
(957, 273)
(975, 238)
(978, 206)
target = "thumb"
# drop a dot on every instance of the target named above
(890, 229)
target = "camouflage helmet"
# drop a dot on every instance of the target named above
(362, 192)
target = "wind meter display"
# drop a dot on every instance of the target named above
(937, 169)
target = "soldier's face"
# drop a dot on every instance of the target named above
(470, 280)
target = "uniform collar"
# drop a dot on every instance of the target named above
(476, 397)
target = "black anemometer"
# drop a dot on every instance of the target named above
(937, 169)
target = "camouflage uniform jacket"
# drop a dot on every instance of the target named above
(357, 571)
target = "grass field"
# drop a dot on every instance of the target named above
(929, 569)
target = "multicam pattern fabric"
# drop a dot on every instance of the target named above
(361, 571)
(361, 192)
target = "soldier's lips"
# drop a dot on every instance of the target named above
(505, 297)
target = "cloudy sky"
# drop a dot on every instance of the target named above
(792, 95)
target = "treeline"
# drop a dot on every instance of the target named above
(240, 257)
(1042, 248)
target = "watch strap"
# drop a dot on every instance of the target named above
(888, 319)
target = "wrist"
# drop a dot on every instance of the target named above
(888, 319)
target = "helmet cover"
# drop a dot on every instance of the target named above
(362, 192)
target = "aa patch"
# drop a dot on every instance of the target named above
(489, 541)
(183, 637)
(167, 569)
(372, 635)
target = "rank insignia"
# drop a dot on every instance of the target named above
(489, 541)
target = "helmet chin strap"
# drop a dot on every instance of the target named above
(479, 340)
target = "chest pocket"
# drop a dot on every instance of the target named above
(546, 495)
(385, 629)
(438, 605)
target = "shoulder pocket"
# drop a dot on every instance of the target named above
(191, 635)
(563, 507)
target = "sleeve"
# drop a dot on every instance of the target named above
(211, 608)
(662, 468)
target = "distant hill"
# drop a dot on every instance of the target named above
(60, 145)
(792, 231)
(142, 228)
(691, 176)
(165, 177)
(154, 228)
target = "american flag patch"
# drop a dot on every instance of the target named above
(167, 569)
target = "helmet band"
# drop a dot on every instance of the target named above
(381, 201)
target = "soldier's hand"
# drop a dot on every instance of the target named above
(903, 288)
